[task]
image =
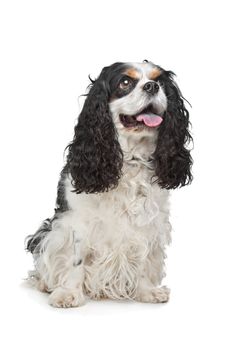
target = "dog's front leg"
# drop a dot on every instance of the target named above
(70, 293)
(149, 289)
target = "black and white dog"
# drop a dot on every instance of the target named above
(108, 235)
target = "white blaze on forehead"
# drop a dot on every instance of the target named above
(146, 70)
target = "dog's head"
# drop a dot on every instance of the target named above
(130, 100)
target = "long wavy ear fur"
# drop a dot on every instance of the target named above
(172, 158)
(95, 158)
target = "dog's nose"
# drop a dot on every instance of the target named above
(151, 87)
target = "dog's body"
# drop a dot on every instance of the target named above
(108, 235)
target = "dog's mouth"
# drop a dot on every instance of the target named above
(147, 117)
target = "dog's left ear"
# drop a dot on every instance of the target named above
(172, 158)
(95, 157)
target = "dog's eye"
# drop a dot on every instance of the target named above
(125, 83)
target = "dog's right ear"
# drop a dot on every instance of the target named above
(94, 156)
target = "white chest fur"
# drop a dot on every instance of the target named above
(119, 229)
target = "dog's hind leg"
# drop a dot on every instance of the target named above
(58, 262)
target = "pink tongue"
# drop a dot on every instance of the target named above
(150, 119)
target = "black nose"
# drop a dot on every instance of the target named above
(151, 87)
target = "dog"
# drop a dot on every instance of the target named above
(110, 229)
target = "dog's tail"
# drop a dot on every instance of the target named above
(33, 242)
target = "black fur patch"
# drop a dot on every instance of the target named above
(61, 202)
(33, 242)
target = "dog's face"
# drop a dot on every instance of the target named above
(127, 100)
(138, 100)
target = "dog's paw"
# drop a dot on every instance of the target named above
(154, 295)
(62, 297)
(161, 294)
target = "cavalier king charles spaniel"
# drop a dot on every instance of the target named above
(108, 235)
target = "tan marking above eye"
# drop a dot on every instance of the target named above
(132, 73)
(155, 73)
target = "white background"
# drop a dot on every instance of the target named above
(48, 48)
